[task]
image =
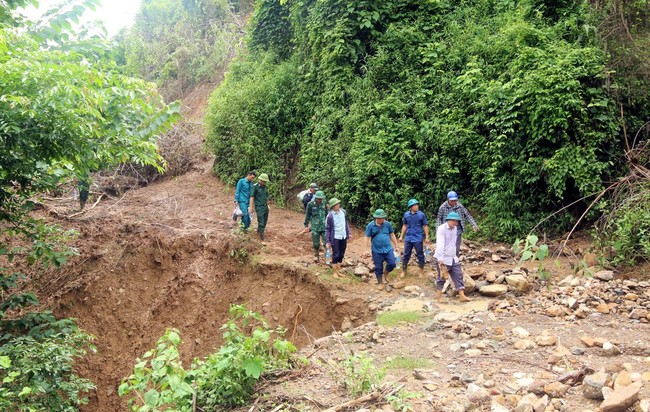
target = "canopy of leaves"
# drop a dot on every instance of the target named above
(508, 102)
(64, 110)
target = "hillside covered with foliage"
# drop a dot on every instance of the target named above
(521, 106)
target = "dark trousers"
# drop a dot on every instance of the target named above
(262, 217)
(459, 240)
(379, 259)
(419, 252)
(338, 250)
(245, 218)
(455, 273)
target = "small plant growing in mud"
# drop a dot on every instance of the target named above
(224, 379)
(357, 373)
(400, 400)
(531, 251)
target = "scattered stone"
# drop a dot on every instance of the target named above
(639, 314)
(524, 344)
(546, 340)
(447, 317)
(558, 355)
(531, 403)
(400, 284)
(622, 399)
(610, 349)
(492, 276)
(520, 332)
(604, 275)
(644, 406)
(493, 290)
(555, 311)
(361, 271)
(470, 284)
(622, 380)
(346, 325)
(592, 385)
(577, 351)
(477, 395)
(556, 389)
(588, 341)
(473, 353)
(603, 308)
(519, 282)
(496, 258)
(430, 387)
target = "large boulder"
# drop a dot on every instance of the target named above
(493, 290)
(519, 282)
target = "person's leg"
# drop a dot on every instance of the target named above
(456, 275)
(419, 252)
(245, 219)
(408, 248)
(336, 256)
(459, 241)
(315, 243)
(440, 280)
(323, 239)
(378, 260)
(262, 217)
(390, 264)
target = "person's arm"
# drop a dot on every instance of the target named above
(252, 201)
(393, 238)
(307, 219)
(470, 218)
(329, 229)
(426, 233)
(348, 232)
(237, 191)
(440, 244)
(368, 240)
(401, 237)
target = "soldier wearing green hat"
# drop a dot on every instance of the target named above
(415, 232)
(337, 233)
(315, 215)
(445, 254)
(260, 202)
(380, 236)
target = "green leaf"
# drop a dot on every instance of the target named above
(526, 255)
(254, 367)
(174, 338)
(5, 362)
(25, 391)
(151, 397)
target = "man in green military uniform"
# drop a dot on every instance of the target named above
(315, 215)
(260, 201)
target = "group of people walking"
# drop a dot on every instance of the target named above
(330, 231)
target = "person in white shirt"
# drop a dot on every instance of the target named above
(445, 254)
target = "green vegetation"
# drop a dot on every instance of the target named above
(178, 44)
(512, 103)
(531, 251)
(394, 317)
(357, 373)
(405, 362)
(64, 111)
(224, 379)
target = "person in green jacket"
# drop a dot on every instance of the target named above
(260, 202)
(315, 215)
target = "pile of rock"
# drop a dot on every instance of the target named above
(577, 297)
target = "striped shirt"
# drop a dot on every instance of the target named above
(446, 209)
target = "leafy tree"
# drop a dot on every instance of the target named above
(64, 110)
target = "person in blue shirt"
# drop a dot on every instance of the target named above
(415, 232)
(242, 197)
(381, 237)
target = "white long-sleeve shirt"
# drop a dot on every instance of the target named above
(446, 244)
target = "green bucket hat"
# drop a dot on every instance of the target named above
(264, 177)
(453, 216)
(380, 214)
(412, 202)
(319, 195)
(333, 202)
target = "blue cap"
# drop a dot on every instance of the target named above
(452, 195)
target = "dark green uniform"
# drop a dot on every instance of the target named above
(260, 195)
(315, 219)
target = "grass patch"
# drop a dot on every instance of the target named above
(405, 362)
(393, 318)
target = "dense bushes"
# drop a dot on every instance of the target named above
(510, 103)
